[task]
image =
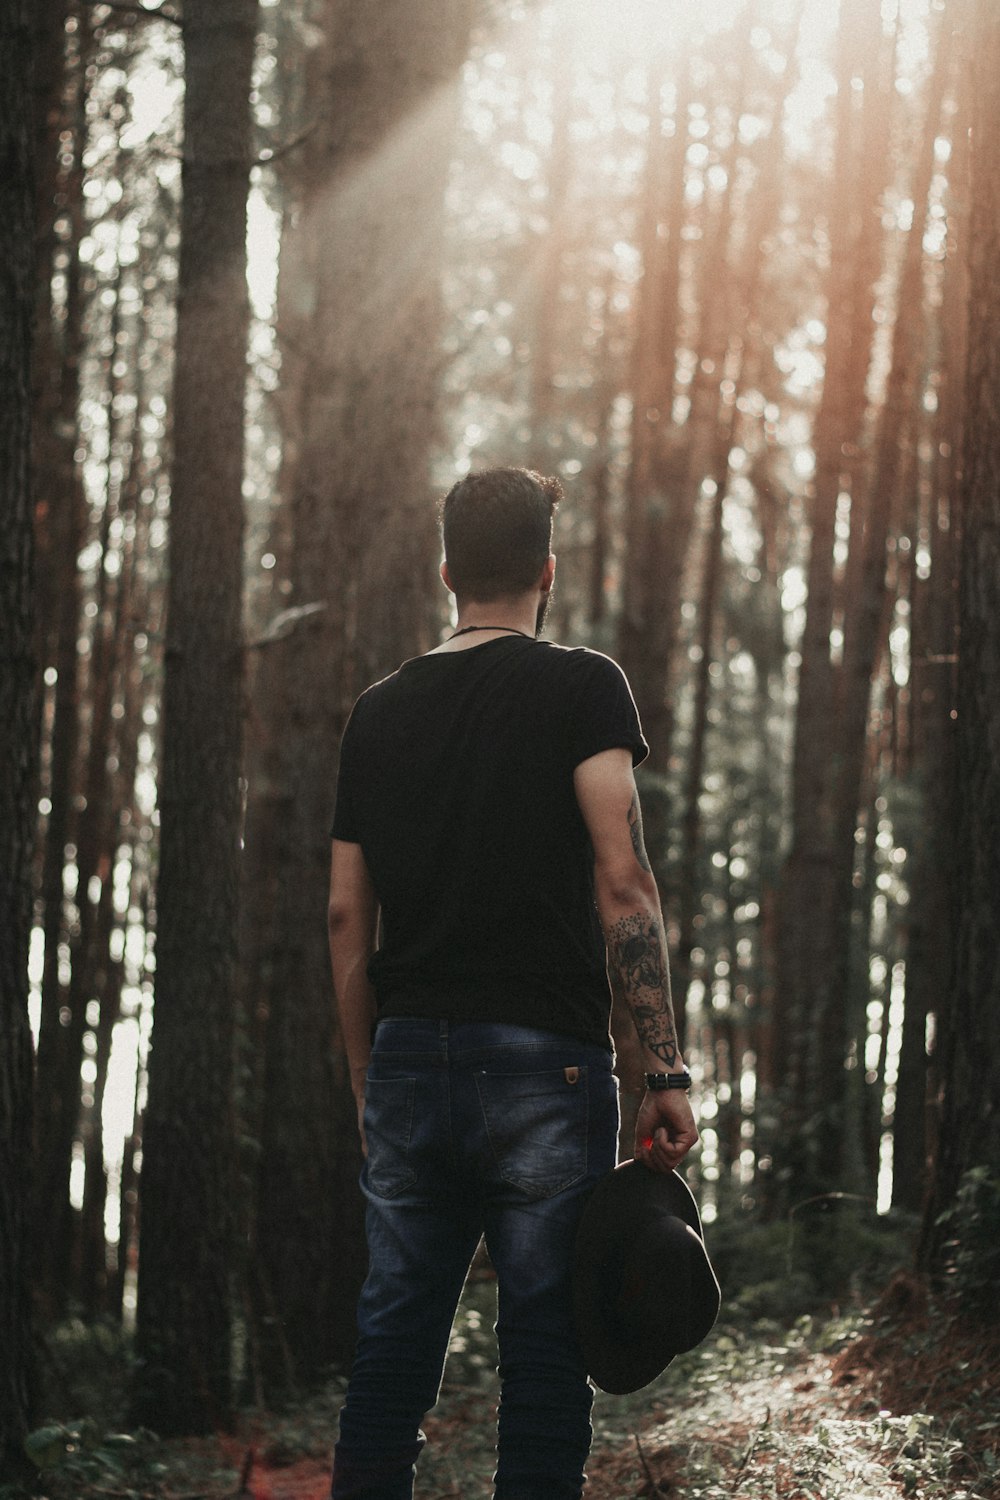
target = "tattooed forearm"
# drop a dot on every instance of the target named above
(637, 957)
(635, 829)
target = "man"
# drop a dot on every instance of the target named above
(486, 801)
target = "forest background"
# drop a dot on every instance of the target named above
(274, 275)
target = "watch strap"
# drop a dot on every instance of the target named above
(658, 1081)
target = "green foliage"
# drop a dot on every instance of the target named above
(78, 1459)
(970, 1251)
(86, 1368)
(833, 1250)
(77, 1455)
(751, 1413)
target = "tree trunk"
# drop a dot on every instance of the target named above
(682, 459)
(805, 902)
(361, 270)
(546, 430)
(57, 1226)
(654, 356)
(864, 634)
(60, 508)
(112, 770)
(970, 1045)
(736, 362)
(54, 196)
(933, 630)
(18, 726)
(186, 1248)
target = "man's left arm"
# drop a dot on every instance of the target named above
(352, 919)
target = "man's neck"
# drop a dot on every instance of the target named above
(483, 622)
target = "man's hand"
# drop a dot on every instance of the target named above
(664, 1129)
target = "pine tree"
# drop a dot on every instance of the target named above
(18, 729)
(360, 296)
(969, 1064)
(187, 1183)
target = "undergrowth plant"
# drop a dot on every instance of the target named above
(971, 1247)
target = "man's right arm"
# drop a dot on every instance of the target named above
(629, 907)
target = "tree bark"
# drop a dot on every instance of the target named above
(654, 357)
(933, 629)
(805, 954)
(546, 434)
(361, 268)
(737, 361)
(18, 725)
(60, 509)
(682, 458)
(970, 1045)
(864, 634)
(186, 1247)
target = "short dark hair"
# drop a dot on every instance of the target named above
(497, 529)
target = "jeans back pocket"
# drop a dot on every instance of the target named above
(537, 1127)
(388, 1127)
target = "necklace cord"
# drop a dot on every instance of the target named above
(468, 629)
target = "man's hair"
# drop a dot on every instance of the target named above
(497, 529)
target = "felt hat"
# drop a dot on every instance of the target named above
(643, 1286)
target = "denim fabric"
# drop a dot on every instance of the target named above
(475, 1129)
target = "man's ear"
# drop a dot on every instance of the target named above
(548, 573)
(446, 578)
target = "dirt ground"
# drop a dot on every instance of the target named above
(842, 1412)
(902, 1401)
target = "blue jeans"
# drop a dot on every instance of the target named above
(475, 1129)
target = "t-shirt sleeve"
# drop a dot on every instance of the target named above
(603, 715)
(345, 816)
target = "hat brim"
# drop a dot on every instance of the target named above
(641, 1227)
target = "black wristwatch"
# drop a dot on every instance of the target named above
(658, 1081)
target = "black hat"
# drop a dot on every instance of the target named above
(643, 1286)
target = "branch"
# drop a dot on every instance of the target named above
(830, 1198)
(656, 1490)
(750, 1449)
(275, 153)
(285, 623)
(154, 13)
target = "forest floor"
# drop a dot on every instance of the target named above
(898, 1401)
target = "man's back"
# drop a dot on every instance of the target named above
(457, 782)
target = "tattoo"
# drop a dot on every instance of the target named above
(637, 957)
(635, 829)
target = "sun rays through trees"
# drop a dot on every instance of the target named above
(294, 267)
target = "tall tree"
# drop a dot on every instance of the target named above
(806, 960)
(545, 435)
(933, 627)
(17, 721)
(737, 362)
(865, 628)
(361, 297)
(684, 456)
(654, 355)
(61, 511)
(183, 1327)
(970, 1045)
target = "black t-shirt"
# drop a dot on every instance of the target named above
(456, 778)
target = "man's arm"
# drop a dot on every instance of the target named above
(629, 907)
(352, 919)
